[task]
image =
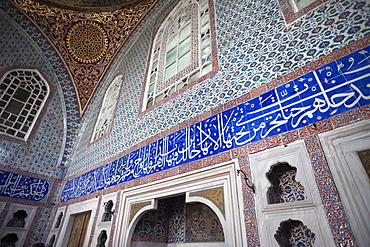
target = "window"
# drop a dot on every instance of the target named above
(181, 52)
(294, 9)
(300, 4)
(104, 121)
(23, 94)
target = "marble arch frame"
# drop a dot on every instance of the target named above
(222, 175)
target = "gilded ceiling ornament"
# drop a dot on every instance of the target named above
(86, 41)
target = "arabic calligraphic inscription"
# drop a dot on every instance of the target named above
(329, 90)
(22, 187)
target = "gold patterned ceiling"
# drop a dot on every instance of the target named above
(91, 5)
(86, 41)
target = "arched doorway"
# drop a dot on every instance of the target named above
(175, 221)
(217, 187)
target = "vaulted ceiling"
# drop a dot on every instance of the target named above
(86, 34)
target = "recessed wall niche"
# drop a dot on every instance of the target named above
(284, 176)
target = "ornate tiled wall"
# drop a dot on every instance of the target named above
(23, 44)
(29, 173)
(329, 90)
(130, 61)
(41, 224)
(50, 134)
(257, 50)
(262, 48)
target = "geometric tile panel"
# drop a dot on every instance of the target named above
(254, 48)
(334, 88)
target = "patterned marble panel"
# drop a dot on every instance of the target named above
(329, 90)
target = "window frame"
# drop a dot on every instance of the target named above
(26, 140)
(189, 70)
(113, 113)
(291, 12)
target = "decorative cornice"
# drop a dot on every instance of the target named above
(91, 6)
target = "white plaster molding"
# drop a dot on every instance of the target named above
(220, 175)
(72, 210)
(353, 184)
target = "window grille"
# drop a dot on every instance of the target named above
(23, 93)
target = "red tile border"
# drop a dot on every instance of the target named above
(95, 220)
(329, 195)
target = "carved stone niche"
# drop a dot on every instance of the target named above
(294, 233)
(286, 189)
(102, 238)
(59, 220)
(108, 213)
(18, 219)
(9, 240)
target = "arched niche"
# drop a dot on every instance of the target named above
(177, 222)
(217, 187)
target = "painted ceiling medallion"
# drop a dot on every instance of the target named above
(87, 42)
